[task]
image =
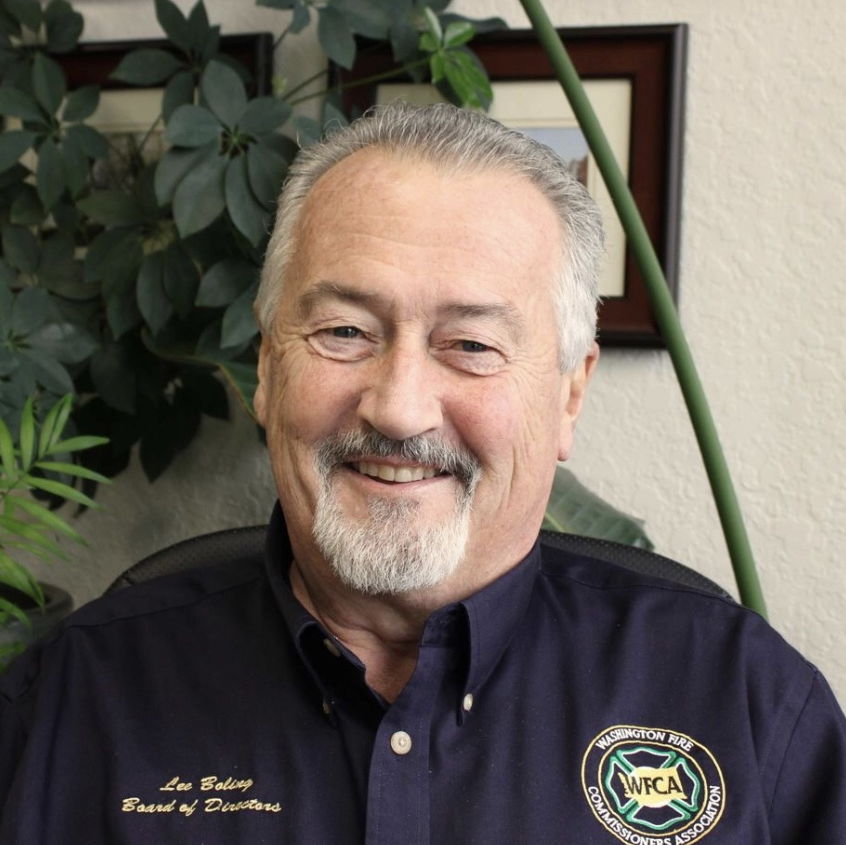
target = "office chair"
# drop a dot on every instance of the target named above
(241, 544)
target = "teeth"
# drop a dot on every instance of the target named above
(399, 475)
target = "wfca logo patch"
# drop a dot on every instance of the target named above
(653, 786)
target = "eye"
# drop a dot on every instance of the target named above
(341, 343)
(472, 356)
(346, 332)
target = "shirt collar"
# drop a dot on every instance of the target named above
(495, 613)
(492, 615)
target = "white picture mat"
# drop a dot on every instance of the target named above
(540, 109)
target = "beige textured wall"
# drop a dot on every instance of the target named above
(763, 302)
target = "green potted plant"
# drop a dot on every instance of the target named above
(38, 459)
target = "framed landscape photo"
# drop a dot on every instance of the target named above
(634, 77)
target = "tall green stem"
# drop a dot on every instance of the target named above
(666, 316)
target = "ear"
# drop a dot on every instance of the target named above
(574, 387)
(263, 370)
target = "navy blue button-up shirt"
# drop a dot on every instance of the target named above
(569, 703)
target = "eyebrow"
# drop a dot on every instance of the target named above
(494, 312)
(333, 290)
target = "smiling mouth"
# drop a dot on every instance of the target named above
(397, 475)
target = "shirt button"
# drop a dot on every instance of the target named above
(401, 742)
(467, 704)
(331, 647)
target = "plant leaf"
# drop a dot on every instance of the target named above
(76, 444)
(147, 66)
(367, 18)
(243, 379)
(181, 278)
(193, 126)
(239, 324)
(7, 454)
(225, 281)
(20, 248)
(49, 519)
(34, 534)
(175, 165)
(179, 91)
(73, 469)
(114, 378)
(458, 32)
(480, 25)
(263, 115)
(30, 310)
(90, 141)
(309, 131)
(27, 12)
(49, 175)
(112, 208)
(26, 437)
(46, 371)
(13, 144)
(199, 200)
(74, 164)
(105, 248)
(174, 24)
(335, 36)
(17, 577)
(57, 488)
(26, 208)
(152, 300)
(266, 170)
(122, 312)
(81, 103)
(574, 509)
(63, 26)
(224, 93)
(54, 423)
(48, 83)
(246, 212)
(468, 79)
(301, 17)
(203, 40)
(67, 342)
(17, 103)
(8, 651)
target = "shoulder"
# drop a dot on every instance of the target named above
(641, 577)
(659, 619)
(169, 595)
(149, 618)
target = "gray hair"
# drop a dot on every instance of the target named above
(456, 141)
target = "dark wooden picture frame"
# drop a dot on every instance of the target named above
(91, 63)
(653, 59)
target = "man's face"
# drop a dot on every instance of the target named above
(410, 386)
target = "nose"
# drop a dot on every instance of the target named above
(401, 398)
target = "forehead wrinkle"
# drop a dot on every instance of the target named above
(326, 290)
(493, 312)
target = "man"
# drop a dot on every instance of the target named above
(409, 665)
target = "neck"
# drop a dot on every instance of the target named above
(384, 632)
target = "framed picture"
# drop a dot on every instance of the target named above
(634, 77)
(127, 115)
(93, 62)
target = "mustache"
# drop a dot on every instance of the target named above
(353, 446)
